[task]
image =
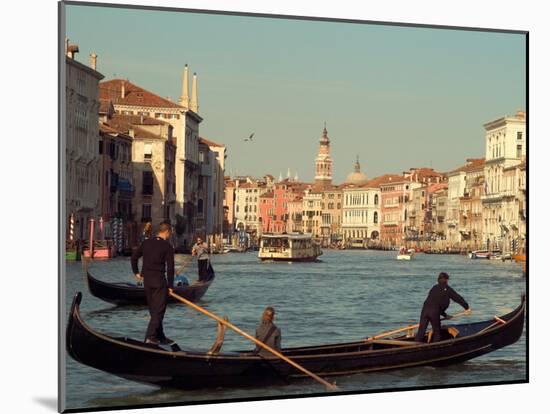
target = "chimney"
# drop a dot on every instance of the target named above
(194, 95)
(123, 90)
(71, 50)
(184, 99)
(93, 61)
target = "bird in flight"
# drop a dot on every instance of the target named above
(250, 137)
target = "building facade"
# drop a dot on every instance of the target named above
(505, 147)
(82, 161)
(130, 99)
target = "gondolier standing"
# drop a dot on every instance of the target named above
(200, 249)
(158, 260)
(435, 305)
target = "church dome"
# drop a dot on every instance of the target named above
(356, 177)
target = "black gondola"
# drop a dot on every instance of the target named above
(129, 294)
(188, 369)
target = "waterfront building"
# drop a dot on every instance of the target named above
(415, 227)
(395, 195)
(438, 207)
(228, 208)
(323, 163)
(153, 164)
(458, 232)
(295, 213)
(513, 209)
(505, 147)
(274, 208)
(131, 99)
(210, 213)
(359, 208)
(247, 204)
(311, 208)
(82, 161)
(331, 216)
(116, 176)
(470, 221)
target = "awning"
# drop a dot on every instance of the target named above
(124, 185)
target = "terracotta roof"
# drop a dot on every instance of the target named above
(472, 164)
(105, 105)
(123, 124)
(385, 179)
(267, 194)
(210, 143)
(133, 95)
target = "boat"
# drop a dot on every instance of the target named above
(479, 254)
(102, 249)
(356, 244)
(185, 368)
(289, 247)
(130, 294)
(406, 254)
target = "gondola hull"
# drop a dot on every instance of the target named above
(127, 294)
(189, 369)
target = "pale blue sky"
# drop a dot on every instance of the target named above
(399, 97)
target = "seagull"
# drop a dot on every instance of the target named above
(250, 137)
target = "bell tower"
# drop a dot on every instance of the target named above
(323, 162)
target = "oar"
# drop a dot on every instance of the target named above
(328, 385)
(409, 327)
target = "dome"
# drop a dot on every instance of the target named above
(356, 177)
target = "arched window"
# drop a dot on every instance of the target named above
(376, 199)
(376, 216)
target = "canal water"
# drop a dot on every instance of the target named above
(345, 296)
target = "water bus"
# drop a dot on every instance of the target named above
(289, 247)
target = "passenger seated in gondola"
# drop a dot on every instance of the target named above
(268, 333)
(435, 306)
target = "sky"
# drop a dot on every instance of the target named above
(399, 97)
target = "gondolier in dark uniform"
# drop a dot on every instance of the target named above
(158, 260)
(200, 249)
(435, 306)
(268, 333)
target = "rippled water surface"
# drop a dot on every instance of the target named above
(345, 296)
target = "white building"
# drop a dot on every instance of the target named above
(360, 207)
(505, 147)
(82, 137)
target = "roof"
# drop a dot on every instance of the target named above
(123, 124)
(133, 95)
(210, 143)
(472, 164)
(267, 194)
(385, 179)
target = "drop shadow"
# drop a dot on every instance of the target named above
(48, 402)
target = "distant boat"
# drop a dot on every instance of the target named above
(406, 254)
(290, 247)
(485, 254)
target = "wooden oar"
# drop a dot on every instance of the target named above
(328, 385)
(410, 327)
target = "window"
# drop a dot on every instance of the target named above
(201, 158)
(376, 199)
(146, 212)
(148, 151)
(200, 206)
(518, 151)
(375, 217)
(147, 183)
(519, 135)
(101, 147)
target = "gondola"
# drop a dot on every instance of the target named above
(175, 367)
(130, 294)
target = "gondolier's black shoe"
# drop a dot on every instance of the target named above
(152, 341)
(167, 341)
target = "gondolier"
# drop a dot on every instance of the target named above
(158, 260)
(200, 249)
(435, 306)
